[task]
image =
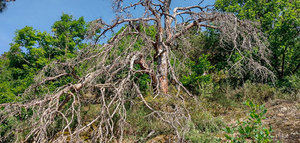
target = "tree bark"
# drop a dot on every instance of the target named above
(162, 49)
(162, 67)
(163, 72)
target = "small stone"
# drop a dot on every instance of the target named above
(283, 109)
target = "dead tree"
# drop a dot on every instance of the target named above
(171, 24)
(108, 71)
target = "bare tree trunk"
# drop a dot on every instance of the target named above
(163, 72)
(162, 49)
(162, 67)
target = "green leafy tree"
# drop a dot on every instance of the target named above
(31, 50)
(69, 34)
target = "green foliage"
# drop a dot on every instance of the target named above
(198, 79)
(203, 121)
(31, 50)
(252, 129)
(69, 34)
(144, 81)
(290, 83)
(289, 87)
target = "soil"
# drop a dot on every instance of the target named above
(284, 118)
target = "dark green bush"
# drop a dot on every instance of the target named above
(199, 80)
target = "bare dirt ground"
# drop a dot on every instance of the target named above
(284, 118)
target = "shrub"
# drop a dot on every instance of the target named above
(289, 87)
(195, 136)
(258, 92)
(204, 125)
(198, 79)
(252, 129)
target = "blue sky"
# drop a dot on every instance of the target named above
(41, 14)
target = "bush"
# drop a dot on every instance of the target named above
(252, 129)
(195, 136)
(256, 92)
(289, 87)
(198, 79)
